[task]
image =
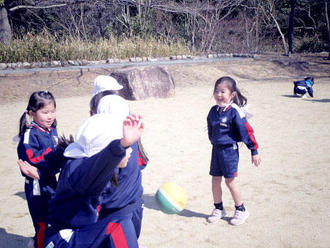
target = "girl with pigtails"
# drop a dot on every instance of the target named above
(227, 125)
(38, 147)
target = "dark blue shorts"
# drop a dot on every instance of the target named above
(112, 232)
(299, 91)
(137, 220)
(224, 161)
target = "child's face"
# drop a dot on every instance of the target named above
(45, 116)
(222, 94)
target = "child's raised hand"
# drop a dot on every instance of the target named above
(28, 169)
(256, 160)
(132, 130)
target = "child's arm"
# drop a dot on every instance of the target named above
(48, 161)
(209, 128)
(91, 176)
(29, 150)
(310, 91)
(247, 136)
(28, 170)
(246, 133)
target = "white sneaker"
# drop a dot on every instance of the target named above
(216, 215)
(239, 217)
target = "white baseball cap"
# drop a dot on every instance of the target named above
(102, 83)
(94, 135)
(113, 104)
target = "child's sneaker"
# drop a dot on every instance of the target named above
(216, 215)
(239, 217)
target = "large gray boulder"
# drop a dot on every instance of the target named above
(143, 82)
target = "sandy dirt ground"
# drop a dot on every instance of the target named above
(288, 196)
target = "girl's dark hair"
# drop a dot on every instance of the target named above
(239, 99)
(309, 78)
(38, 100)
(94, 102)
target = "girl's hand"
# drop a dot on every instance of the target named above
(132, 130)
(28, 169)
(256, 160)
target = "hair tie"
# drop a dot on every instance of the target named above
(26, 111)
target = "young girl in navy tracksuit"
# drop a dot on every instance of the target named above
(37, 144)
(227, 125)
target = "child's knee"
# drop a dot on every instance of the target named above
(230, 182)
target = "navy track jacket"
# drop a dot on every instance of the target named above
(37, 147)
(229, 126)
(304, 84)
(128, 194)
(81, 182)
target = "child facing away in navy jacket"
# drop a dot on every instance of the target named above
(93, 158)
(302, 87)
(227, 125)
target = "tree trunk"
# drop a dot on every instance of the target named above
(328, 26)
(291, 26)
(5, 29)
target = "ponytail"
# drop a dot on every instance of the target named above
(23, 124)
(239, 99)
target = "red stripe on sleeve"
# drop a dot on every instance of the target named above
(118, 235)
(141, 160)
(30, 155)
(250, 132)
(41, 234)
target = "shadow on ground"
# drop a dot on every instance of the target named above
(10, 240)
(21, 194)
(150, 202)
(326, 100)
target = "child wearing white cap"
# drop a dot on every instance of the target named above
(105, 99)
(125, 197)
(100, 148)
(103, 83)
(103, 86)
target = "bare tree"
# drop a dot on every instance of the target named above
(269, 10)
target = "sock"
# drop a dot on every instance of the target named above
(218, 205)
(240, 207)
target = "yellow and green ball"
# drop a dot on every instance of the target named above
(171, 198)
